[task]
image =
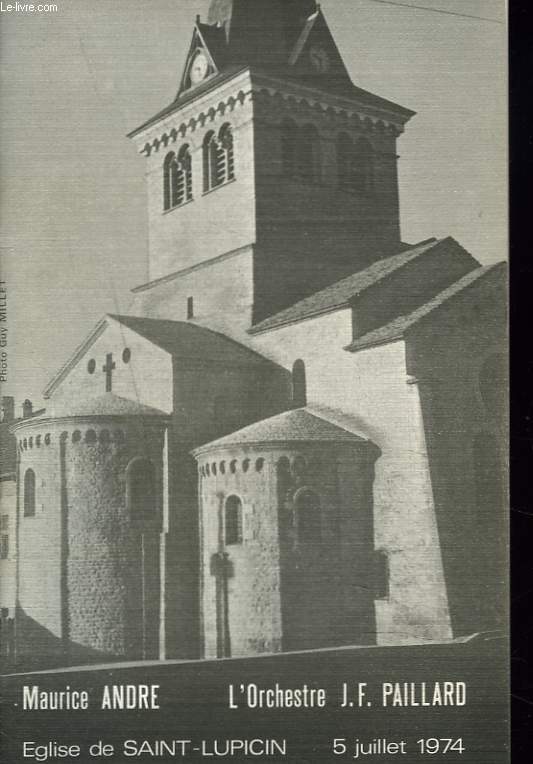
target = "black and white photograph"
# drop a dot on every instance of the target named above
(254, 381)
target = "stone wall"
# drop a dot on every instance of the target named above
(210, 400)
(464, 407)
(84, 557)
(215, 222)
(314, 227)
(368, 392)
(39, 585)
(292, 221)
(222, 292)
(145, 378)
(276, 589)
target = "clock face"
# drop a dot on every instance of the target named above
(319, 58)
(199, 68)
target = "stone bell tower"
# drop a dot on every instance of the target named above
(270, 150)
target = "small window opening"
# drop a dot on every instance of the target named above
(190, 307)
(29, 493)
(233, 521)
(299, 384)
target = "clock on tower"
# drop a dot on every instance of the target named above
(199, 68)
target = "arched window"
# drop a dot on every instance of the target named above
(219, 160)
(184, 176)
(308, 154)
(307, 515)
(29, 493)
(177, 178)
(289, 143)
(140, 496)
(363, 168)
(355, 164)
(233, 521)
(210, 149)
(300, 151)
(169, 180)
(225, 139)
(299, 384)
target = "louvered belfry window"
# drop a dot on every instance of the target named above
(300, 152)
(219, 160)
(177, 180)
(355, 164)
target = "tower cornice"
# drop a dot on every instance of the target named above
(188, 116)
(248, 85)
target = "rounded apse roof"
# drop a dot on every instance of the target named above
(105, 405)
(298, 426)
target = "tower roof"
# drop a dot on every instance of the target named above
(282, 18)
(296, 426)
(286, 39)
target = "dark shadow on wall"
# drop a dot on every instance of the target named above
(36, 647)
(463, 404)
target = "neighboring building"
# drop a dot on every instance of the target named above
(8, 523)
(8, 509)
(296, 438)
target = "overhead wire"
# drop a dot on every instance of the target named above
(436, 10)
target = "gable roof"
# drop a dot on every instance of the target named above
(179, 338)
(397, 328)
(187, 96)
(215, 41)
(297, 425)
(211, 40)
(188, 340)
(339, 294)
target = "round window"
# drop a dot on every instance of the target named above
(91, 366)
(126, 355)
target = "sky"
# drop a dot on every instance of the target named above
(73, 216)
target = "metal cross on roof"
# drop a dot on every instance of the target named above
(108, 368)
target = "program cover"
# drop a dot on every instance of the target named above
(254, 381)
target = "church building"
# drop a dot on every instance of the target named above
(295, 438)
